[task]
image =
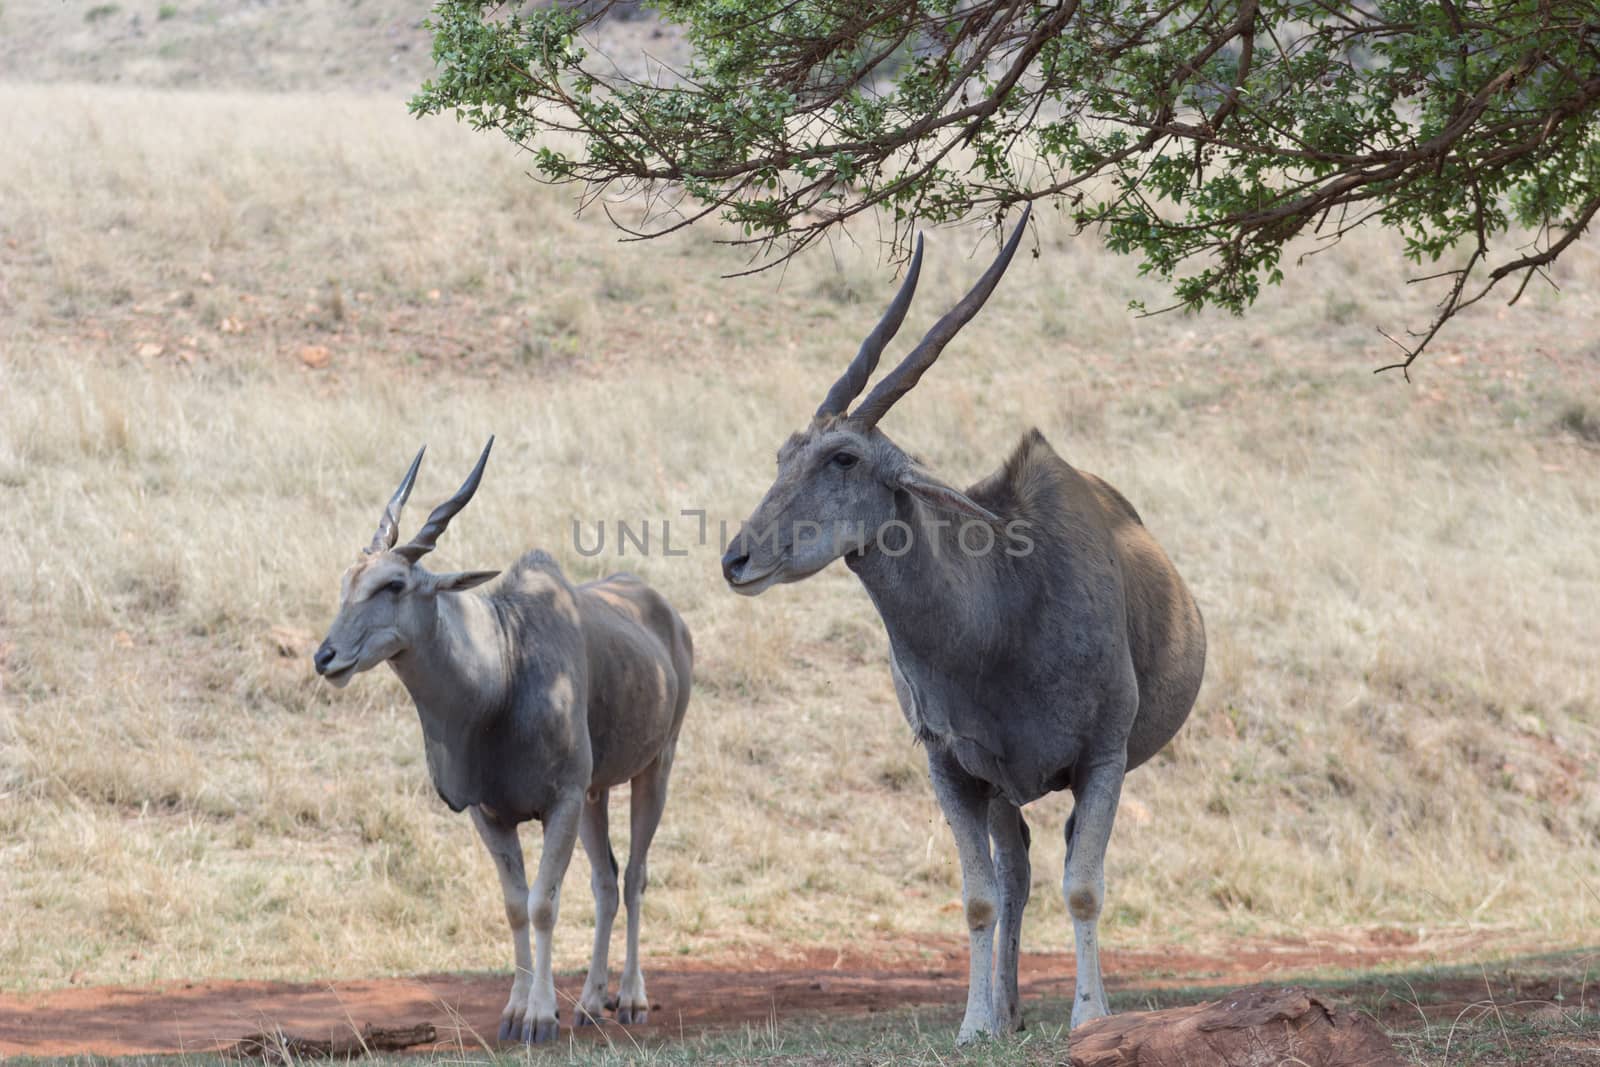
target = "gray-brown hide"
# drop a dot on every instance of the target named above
(535, 700)
(1039, 638)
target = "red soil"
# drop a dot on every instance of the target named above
(205, 1015)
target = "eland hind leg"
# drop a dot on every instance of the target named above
(1083, 883)
(1009, 834)
(594, 832)
(648, 799)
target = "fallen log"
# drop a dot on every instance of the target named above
(1250, 1028)
(279, 1047)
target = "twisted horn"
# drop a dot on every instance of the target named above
(389, 524)
(898, 382)
(854, 379)
(439, 518)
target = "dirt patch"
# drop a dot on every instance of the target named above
(186, 1017)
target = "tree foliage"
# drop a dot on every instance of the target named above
(1201, 135)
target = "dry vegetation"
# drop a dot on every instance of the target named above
(1400, 725)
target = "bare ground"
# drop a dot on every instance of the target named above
(204, 1016)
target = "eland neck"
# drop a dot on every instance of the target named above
(938, 600)
(457, 673)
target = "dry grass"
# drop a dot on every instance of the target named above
(1401, 718)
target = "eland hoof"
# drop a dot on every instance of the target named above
(538, 1031)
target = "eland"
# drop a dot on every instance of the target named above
(536, 700)
(1039, 638)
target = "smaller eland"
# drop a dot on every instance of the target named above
(535, 700)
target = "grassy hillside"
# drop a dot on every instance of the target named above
(272, 45)
(231, 317)
(357, 44)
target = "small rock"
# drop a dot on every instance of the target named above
(291, 642)
(1548, 1016)
(315, 356)
(1257, 1026)
(150, 350)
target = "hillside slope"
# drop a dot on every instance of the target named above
(231, 315)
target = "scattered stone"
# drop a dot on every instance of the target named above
(1134, 810)
(291, 642)
(1256, 1026)
(315, 356)
(1548, 1017)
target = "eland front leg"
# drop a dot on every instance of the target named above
(965, 803)
(540, 1020)
(506, 850)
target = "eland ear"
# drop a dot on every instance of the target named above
(461, 582)
(941, 497)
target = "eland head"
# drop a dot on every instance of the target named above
(387, 601)
(840, 478)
